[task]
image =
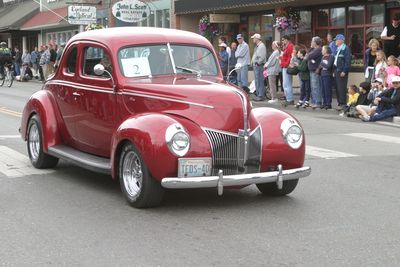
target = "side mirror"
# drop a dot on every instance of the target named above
(99, 69)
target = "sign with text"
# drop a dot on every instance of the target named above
(81, 15)
(224, 18)
(131, 10)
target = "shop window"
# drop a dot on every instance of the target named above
(356, 46)
(338, 17)
(364, 22)
(356, 15)
(303, 35)
(375, 13)
(323, 17)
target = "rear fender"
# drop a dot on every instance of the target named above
(40, 103)
(275, 150)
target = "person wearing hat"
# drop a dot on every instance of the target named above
(376, 89)
(388, 103)
(258, 60)
(243, 59)
(223, 58)
(391, 37)
(341, 67)
(5, 57)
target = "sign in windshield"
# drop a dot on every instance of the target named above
(152, 60)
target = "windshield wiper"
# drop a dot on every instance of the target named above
(190, 70)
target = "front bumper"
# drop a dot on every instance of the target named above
(236, 180)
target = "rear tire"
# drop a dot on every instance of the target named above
(271, 189)
(138, 186)
(39, 159)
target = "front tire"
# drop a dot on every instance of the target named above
(139, 187)
(39, 159)
(271, 189)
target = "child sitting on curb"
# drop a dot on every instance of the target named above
(352, 97)
(376, 90)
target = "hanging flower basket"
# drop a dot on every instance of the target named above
(287, 19)
(207, 29)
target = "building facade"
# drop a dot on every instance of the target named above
(359, 21)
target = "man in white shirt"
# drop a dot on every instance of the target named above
(243, 58)
(391, 37)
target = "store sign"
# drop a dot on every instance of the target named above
(224, 18)
(81, 15)
(131, 10)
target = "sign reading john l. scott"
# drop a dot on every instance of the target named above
(130, 10)
(81, 15)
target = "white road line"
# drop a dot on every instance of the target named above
(376, 137)
(326, 153)
(14, 164)
(10, 136)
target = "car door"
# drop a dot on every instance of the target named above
(96, 101)
(64, 93)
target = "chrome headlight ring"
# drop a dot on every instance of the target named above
(292, 133)
(178, 141)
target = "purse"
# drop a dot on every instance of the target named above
(292, 71)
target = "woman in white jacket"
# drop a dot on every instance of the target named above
(273, 68)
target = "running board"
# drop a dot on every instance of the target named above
(82, 159)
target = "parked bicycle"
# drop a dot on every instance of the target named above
(8, 77)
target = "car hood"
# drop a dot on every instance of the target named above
(209, 102)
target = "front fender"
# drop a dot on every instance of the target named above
(274, 148)
(147, 133)
(40, 103)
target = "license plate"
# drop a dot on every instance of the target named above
(194, 167)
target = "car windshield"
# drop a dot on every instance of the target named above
(153, 60)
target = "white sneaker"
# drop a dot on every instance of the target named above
(273, 101)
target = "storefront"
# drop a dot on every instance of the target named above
(359, 21)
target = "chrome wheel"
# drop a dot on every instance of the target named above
(34, 142)
(132, 174)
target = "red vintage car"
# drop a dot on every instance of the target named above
(150, 107)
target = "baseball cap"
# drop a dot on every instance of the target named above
(239, 36)
(396, 79)
(379, 80)
(256, 36)
(340, 37)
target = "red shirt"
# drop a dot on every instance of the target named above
(287, 55)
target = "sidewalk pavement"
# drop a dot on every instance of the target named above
(395, 121)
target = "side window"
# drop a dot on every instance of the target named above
(71, 62)
(92, 57)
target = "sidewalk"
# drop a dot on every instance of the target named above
(395, 121)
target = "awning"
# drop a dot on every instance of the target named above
(47, 19)
(203, 6)
(12, 17)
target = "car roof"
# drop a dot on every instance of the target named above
(121, 36)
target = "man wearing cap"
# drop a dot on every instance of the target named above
(258, 60)
(223, 58)
(243, 58)
(391, 37)
(341, 66)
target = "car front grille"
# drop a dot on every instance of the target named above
(227, 152)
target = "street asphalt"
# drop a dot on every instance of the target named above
(345, 214)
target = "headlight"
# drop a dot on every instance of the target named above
(292, 133)
(177, 139)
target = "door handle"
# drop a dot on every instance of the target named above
(76, 94)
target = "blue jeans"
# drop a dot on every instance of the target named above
(17, 69)
(305, 90)
(315, 89)
(326, 90)
(259, 80)
(383, 113)
(287, 85)
(242, 76)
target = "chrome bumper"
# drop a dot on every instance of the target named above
(236, 180)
